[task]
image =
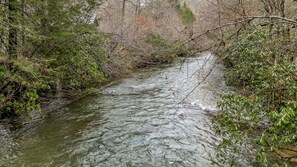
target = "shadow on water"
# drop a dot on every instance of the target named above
(139, 121)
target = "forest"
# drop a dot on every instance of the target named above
(51, 49)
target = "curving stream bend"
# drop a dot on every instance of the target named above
(142, 120)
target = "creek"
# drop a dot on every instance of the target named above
(156, 117)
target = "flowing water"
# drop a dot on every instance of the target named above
(154, 118)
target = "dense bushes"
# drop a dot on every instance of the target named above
(151, 49)
(53, 50)
(23, 80)
(186, 14)
(47, 50)
(162, 51)
(265, 115)
(78, 63)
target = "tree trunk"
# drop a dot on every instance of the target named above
(137, 9)
(23, 26)
(123, 16)
(220, 19)
(2, 44)
(12, 32)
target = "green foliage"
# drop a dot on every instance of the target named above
(20, 86)
(57, 48)
(156, 40)
(186, 14)
(163, 51)
(265, 115)
(79, 61)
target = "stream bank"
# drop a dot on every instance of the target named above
(141, 120)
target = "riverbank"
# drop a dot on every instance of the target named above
(53, 102)
(264, 113)
(36, 92)
(140, 120)
(12, 126)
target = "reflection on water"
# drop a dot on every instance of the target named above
(143, 120)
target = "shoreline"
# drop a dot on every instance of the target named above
(49, 104)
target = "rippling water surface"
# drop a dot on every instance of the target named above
(143, 120)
